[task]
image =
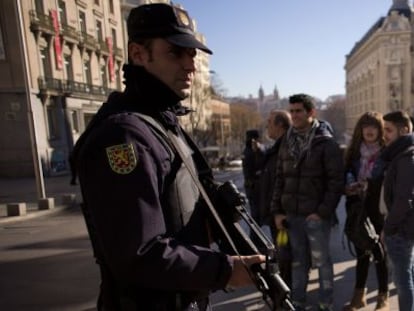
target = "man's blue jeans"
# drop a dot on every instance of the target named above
(310, 247)
(401, 253)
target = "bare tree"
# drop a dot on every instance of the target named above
(243, 117)
(335, 115)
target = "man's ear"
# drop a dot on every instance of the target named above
(312, 113)
(137, 53)
(404, 130)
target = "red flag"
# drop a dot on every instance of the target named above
(111, 59)
(58, 48)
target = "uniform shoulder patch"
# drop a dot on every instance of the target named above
(122, 158)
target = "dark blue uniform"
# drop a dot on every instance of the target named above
(152, 246)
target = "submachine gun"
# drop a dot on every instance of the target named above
(231, 208)
(227, 211)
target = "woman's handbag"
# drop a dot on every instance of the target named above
(358, 227)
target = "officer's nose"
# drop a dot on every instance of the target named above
(189, 61)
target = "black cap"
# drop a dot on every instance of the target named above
(160, 20)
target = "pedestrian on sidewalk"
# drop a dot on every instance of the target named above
(398, 190)
(362, 192)
(149, 225)
(278, 123)
(252, 164)
(309, 184)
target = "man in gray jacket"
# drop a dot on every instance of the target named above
(398, 196)
(309, 184)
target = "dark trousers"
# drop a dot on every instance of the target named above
(362, 267)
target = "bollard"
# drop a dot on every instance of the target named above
(16, 209)
(69, 199)
(46, 203)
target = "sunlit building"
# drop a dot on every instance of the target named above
(220, 125)
(379, 68)
(59, 59)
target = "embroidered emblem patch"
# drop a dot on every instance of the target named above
(122, 158)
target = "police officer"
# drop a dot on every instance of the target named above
(147, 222)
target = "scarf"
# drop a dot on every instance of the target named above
(369, 154)
(300, 143)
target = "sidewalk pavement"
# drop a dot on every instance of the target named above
(24, 190)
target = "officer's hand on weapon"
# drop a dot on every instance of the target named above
(241, 276)
(314, 217)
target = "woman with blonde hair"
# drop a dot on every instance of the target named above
(365, 146)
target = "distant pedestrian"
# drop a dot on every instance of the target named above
(278, 122)
(252, 162)
(363, 192)
(398, 197)
(309, 184)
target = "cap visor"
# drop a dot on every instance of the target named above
(187, 41)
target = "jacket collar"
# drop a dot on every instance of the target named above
(398, 146)
(144, 86)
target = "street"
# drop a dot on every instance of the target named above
(46, 264)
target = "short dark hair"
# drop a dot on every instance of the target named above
(147, 43)
(307, 101)
(400, 119)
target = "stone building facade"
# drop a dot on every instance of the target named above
(59, 61)
(221, 126)
(380, 67)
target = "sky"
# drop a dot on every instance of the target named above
(299, 46)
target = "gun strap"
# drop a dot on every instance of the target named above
(203, 192)
(173, 139)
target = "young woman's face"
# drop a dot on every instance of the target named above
(370, 134)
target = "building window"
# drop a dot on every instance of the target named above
(87, 74)
(87, 117)
(97, 2)
(52, 122)
(104, 76)
(99, 33)
(39, 6)
(111, 6)
(82, 21)
(118, 79)
(62, 12)
(67, 59)
(74, 116)
(46, 65)
(114, 39)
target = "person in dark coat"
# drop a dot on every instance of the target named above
(149, 226)
(278, 122)
(362, 190)
(252, 163)
(309, 184)
(398, 190)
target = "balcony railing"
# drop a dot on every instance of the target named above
(41, 22)
(69, 32)
(88, 41)
(65, 87)
(103, 47)
(118, 52)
